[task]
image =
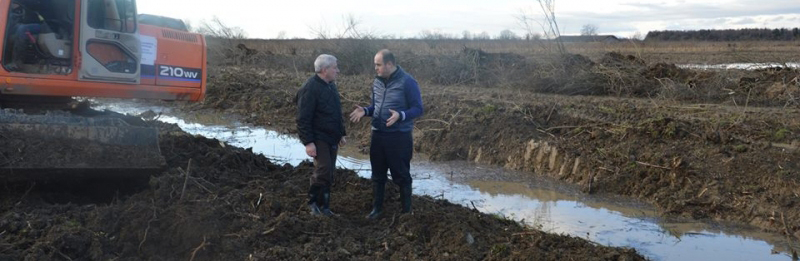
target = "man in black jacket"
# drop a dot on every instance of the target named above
(320, 125)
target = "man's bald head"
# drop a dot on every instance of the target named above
(385, 63)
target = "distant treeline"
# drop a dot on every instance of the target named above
(754, 34)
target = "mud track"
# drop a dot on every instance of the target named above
(217, 202)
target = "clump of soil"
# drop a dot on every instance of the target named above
(771, 86)
(615, 59)
(217, 202)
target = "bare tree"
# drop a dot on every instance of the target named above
(354, 30)
(533, 36)
(435, 35)
(225, 43)
(189, 26)
(589, 30)
(466, 35)
(507, 35)
(351, 29)
(351, 44)
(216, 28)
(637, 36)
(549, 26)
(320, 32)
(482, 36)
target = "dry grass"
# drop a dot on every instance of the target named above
(672, 52)
(626, 69)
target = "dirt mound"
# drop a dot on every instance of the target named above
(222, 203)
(626, 76)
(615, 59)
(777, 86)
(246, 91)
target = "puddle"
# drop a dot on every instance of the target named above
(535, 201)
(738, 66)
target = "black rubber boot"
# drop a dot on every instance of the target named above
(378, 191)
(313, 195)
(405, 198)
(326, 202)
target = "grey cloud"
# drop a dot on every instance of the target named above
(720, 20)
(675, 27)
(655, 12)
(745, 21)
(683, 16)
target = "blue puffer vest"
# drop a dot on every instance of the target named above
(390, 94)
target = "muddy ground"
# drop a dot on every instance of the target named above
(216, 202)
(720, 145)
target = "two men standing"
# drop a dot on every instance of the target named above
(396, 102)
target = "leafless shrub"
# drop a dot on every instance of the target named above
(589, 29)
(353, 46)
(549, 26)
(223, 42)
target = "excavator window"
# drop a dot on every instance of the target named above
(111, 56)
(115, 15)
(39, 36)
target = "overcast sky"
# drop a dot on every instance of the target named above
(300, 18)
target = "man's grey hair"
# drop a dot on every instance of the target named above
(324, 61)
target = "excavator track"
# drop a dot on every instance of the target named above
(60, 144)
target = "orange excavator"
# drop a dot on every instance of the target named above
(53, 50)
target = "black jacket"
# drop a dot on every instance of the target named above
(319, 112)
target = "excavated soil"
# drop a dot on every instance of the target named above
(700, 144)
(216, 202)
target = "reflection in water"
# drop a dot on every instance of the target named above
(617, 224)
(535, 201)
(738, 66)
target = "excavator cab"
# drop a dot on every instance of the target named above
(57, 49)
(39, 36)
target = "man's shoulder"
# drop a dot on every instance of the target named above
(311, 79)
(311, 83)
(409, 81)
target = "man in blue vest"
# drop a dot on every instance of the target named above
(396, 102)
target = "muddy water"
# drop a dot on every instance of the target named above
(537, 202)
(738, 66)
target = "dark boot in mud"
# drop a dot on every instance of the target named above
(313, 197)
(405, 198)
(326, 202)
(378, 190)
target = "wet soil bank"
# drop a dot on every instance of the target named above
(218, 202)
(721, 159)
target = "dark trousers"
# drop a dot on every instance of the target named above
(391, 151)
(324, 164)
(25, 33)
